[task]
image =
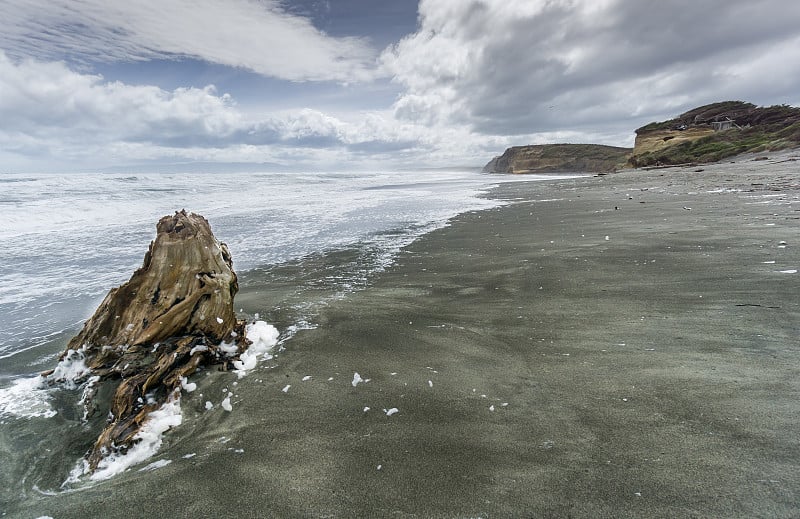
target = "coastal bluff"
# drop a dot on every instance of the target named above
(712, 132)
(559, 158)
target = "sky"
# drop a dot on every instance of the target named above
(340, 85)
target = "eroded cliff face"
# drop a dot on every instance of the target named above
(559, 158)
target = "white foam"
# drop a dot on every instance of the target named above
(26, 398)
(226, 403)
(356, 379)
(199, 347)
(71, 370)
(263, 337)
(80, 468)
(390, 412)
(150, 438)
(188, 386)
(88, 393)
(228, 348)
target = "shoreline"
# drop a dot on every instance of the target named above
(644, 348)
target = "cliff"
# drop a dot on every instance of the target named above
(712, 132)
(559, 158)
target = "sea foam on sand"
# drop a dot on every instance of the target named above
(263, 337)
(150, 438)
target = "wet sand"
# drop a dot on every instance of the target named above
(617, 346)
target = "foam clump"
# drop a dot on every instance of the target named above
(226, 403)
(149, 440)
(188, 386)
(263, 337)
(71, 369)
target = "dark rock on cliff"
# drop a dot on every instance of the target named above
(559, 158)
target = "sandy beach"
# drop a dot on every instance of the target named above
(616, 346)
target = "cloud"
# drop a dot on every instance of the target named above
(47, 98)
(519, 67)
(50, 110)
(55, 118)
(476, 76)
(257, 35)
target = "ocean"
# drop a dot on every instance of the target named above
(70, 238)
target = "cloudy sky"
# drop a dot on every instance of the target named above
(355, 84)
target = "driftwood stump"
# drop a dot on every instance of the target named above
(168, 319)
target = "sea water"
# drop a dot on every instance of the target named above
(68, 239)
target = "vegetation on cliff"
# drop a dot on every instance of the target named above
(559, 158)
(713, 132)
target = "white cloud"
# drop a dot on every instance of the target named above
(254, 34)
(521, 67)
(46, 99)
(54, 118)
(52, 112)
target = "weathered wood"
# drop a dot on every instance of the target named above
(144, 331)
(185, 286)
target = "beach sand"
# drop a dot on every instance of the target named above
(616, 346)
